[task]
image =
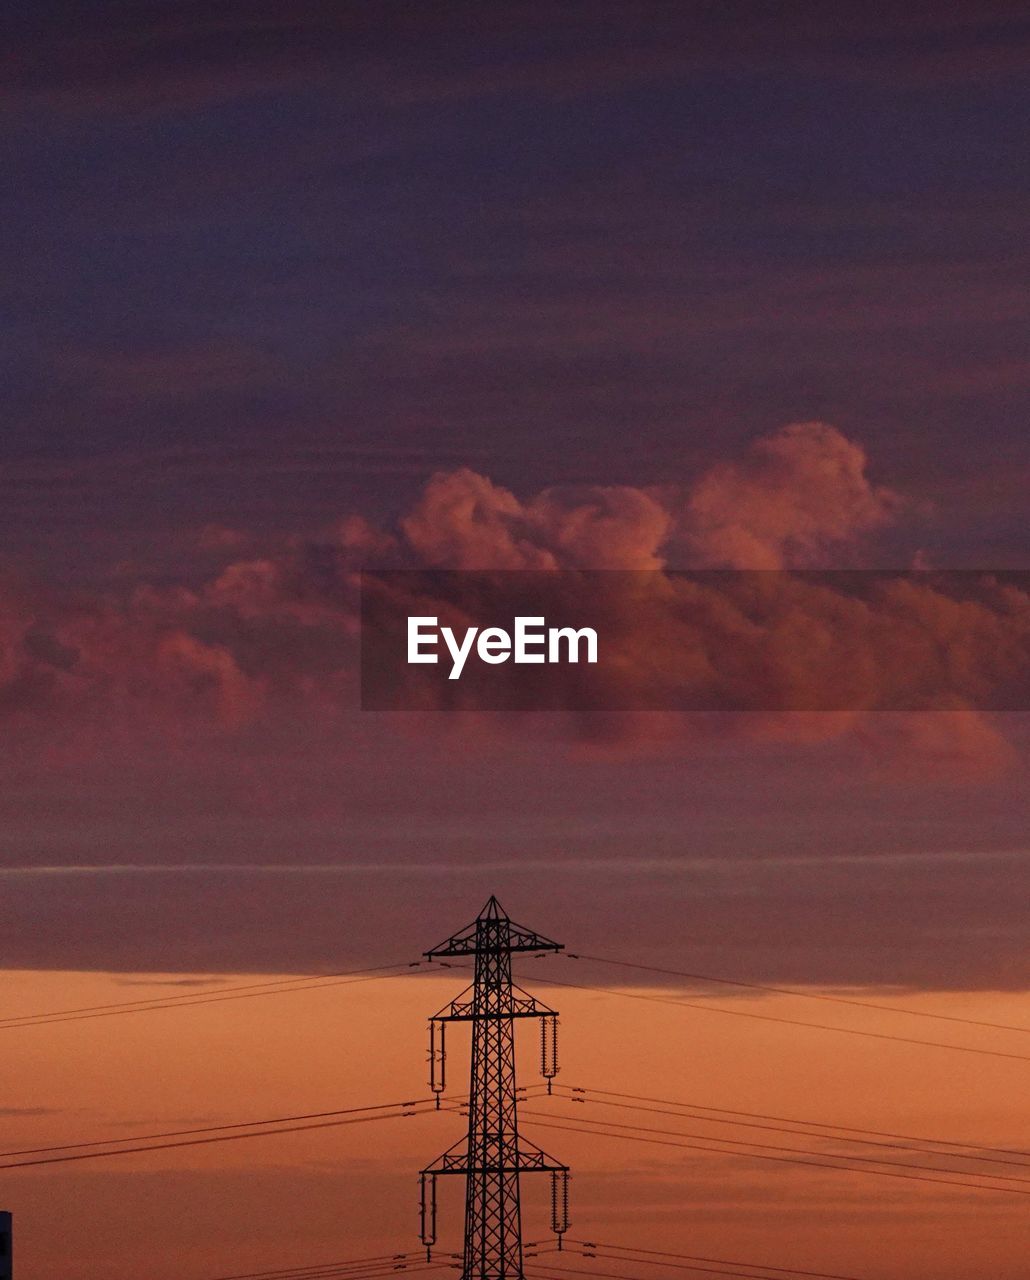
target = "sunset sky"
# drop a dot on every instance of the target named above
(290, 290)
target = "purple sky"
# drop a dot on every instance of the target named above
(267, 269)
(261, 262)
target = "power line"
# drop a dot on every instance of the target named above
(650, 1256)
(345, 1273)
(418, 1106)
(374, 1261)
(790, 1022)
(802, 995)
(225, 1137)
(692, 1257)
(560, 1273)
(822, 1124)
(187, 996)
(362, 1270)
(766, 1146)
(398, 1269)
(694, 1114)
(599, 1131)
(751, 1270)
(284, 986)
(219, 1128)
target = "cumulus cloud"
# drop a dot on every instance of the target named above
(464, 521)
(799, 498)
(283, 624)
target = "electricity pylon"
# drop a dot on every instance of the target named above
(493, 1156)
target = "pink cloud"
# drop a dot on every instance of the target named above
(207, 677)
(281, 627)
(799, 498)
(464, 521)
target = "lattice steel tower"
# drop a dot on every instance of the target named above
(494, 1155)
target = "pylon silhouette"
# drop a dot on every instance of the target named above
(493, 1155)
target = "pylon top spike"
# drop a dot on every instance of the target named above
(506, 936)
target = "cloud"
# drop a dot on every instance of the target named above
(242, 644)
(798, 498)
(464, 521)
(191, 671)
(779, 656)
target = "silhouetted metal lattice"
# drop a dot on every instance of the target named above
(493, 1156)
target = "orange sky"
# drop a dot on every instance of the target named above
(339, 1193)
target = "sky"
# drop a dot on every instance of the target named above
(293, 290)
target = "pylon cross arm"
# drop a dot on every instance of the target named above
(519, 1004)
(525, 1162)
(502, 937)
(528, 1158)
(460, 1013)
